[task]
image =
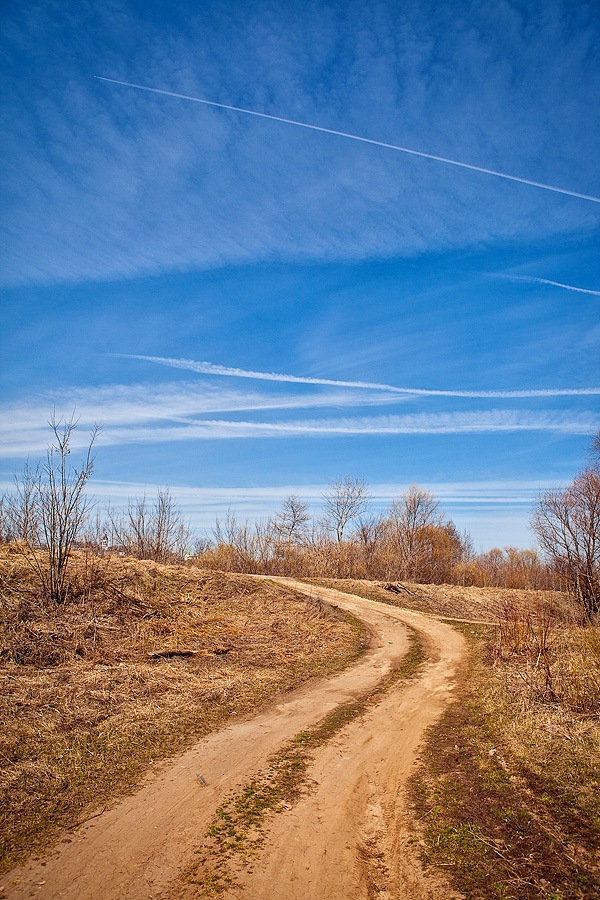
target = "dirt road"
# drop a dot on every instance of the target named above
(345, 839)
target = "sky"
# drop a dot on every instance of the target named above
(251, 308)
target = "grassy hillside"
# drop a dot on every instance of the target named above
(87, 701)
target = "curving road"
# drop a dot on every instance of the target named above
(346, 839)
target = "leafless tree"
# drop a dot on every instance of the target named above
(21, 509)
(567, 524)
(238, 546)
(370, 541)
(152, 529)
(595, 449)
(291, 521)
(64, 507)
(407, 519)
(5, 532)
(264, 545)
(345, 500)
(48, 509)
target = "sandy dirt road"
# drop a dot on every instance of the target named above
(346, 840)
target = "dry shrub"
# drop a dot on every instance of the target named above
(582, 663)
(555, 657)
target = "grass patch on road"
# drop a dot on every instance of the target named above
(236, 832)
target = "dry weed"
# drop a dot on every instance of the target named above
(544, 655)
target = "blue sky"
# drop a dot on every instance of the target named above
(142, 234)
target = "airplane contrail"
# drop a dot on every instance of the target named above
(354, 137)
(532, 279)
(207, 368)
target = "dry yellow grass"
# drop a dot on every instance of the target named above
(84, 707)
(450, 600)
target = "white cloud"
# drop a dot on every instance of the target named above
(487, 421)
(477, 493)
(85, 203)
(355, 137)
(207, 368)
(531, 279)
(31, 441)
(127, 404)
(121, 409)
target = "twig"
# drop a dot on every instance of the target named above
(167, 654)
(89, 818)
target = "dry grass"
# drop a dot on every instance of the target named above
(449, 600)
(84, 709)
(507, 795)
(544, 657)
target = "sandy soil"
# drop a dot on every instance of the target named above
(346, 839)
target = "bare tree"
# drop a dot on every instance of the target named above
(152, 530)
(48, 509)
(291, 521)
(5, 532)
(369, 539)
(595, 449)
(21, 509)
(64, 508)
(407, 519)
(239, 546)
(415, 509)
(567, 524)
(345, 500)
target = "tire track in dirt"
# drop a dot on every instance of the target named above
(344, 840)
(347, 838)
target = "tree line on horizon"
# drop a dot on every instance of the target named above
(413, 540)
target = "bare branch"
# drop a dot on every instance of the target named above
(345, 500)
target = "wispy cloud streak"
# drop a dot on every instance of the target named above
(355, 137)
(207, 368)
(127, 405)
(476, 493)
(29, 441)
(486, 422)
(532, 279)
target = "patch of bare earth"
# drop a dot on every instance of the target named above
(87, 705)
